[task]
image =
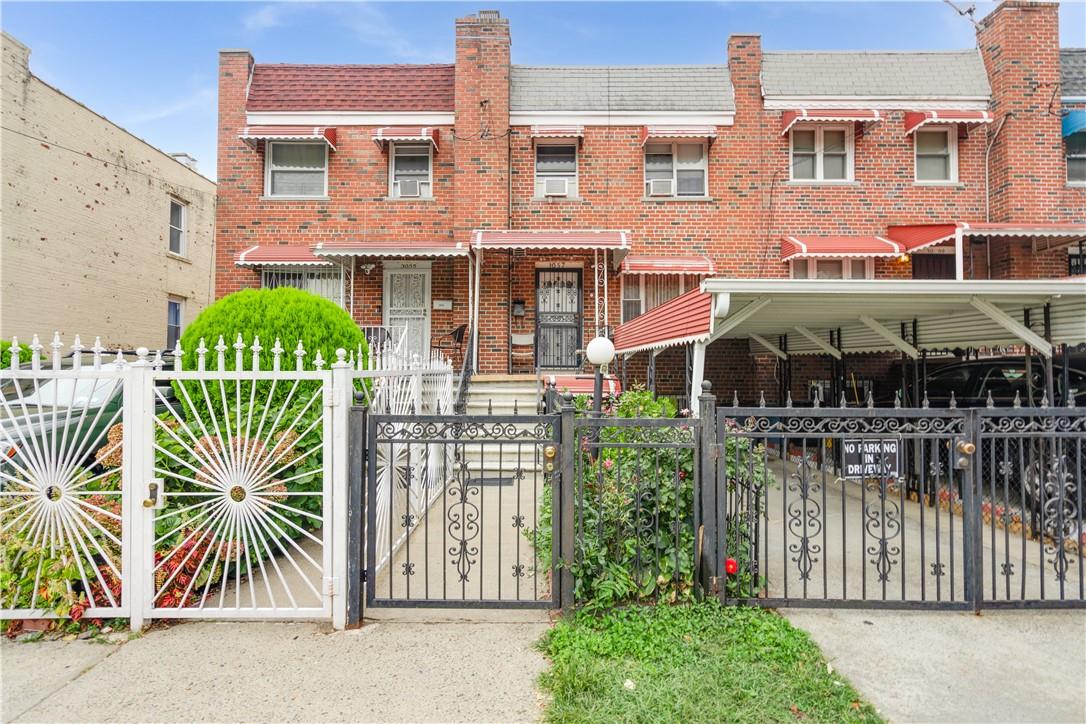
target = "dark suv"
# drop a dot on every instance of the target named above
(1002, 377)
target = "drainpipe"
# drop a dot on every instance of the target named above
(987, 181)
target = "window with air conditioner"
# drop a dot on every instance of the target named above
(678, 170)
(296, 170)
(821, 153)
(555, 170)
(936, 155)
(642, 292)
(833, 269)
(411, 171)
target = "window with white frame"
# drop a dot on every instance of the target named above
(178, 218)
(642, 292)
(676, 170)
(833, 269)
(821, 153)
(555, 170)
(936, 155)
(410, 176)
(323, 282)
(296, 170)
(174, 315)
(1075, 147)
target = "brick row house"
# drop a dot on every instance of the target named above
(523, 210)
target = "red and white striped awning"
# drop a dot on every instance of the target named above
(646, 264)
(391, 248)
(500, 239)
(920, 236)
(557, 131)
(686, 318)
(829, 115)
(915, 120)
(279, 255)
(406, 134)
(651, 133)
(253, 134)
(799, 247)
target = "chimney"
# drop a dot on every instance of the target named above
(239, 185)
(1019, 43)
(745, 70)
(482, 123)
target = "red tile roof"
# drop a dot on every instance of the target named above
(684, 319)
(351, 88)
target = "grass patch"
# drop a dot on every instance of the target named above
(701, 662)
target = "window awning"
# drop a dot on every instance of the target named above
(406, 134)
(500, 239)
(391, 248)
(650, 133)
(279, 255)
(918, 119)
(799, 247)
(919, 236)
(647, 264)
(791, 118)
(1073, 122)
(686, 318)
(254, 134)
(557, 131)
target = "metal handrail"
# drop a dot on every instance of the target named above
(465, 375)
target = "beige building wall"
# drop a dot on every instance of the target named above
(85, 222)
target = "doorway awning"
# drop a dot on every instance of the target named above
(279, 255)
(391, 248)
(648, 264)
(915, 120)
(586, 240)
(800, 247)
(919, 236)
(803, 115)
(254, 134)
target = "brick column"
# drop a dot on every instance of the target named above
(237, 178)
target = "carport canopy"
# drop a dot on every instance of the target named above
(869, 315)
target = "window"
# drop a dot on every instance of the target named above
(936, 152)
(173, 321)
(178, 240)
(676, 170)
(1075, 144)
(410, 175)
(1076, 263)
(327, 283)
(642, 292)
(821, 153)
(297, 170)
(833, 269)
(555, 170)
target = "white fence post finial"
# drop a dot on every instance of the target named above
(156, 363)
(56, 346)
(201, 356)
(277, 353)
(15, 350)
(299, 354)
(178, 353)
(220, 354)
(35, 354)
(318, 361)
(119, 359)
(256, 348)
(96, 351)
(77, 353)
(239, 350)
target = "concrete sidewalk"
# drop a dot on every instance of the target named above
(386, 671)
(938, 666)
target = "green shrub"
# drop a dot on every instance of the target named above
(5, 353)
(288, 315)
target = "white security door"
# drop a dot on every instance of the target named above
(407, 304)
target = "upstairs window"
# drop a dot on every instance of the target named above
(297, 170)
(936, 152)
(178, 240)
(833, 269)
(676, 170)
(1075, 146)
(642, 292)
(410, 176)
(555, 170)
(327, 283)
(821, 153)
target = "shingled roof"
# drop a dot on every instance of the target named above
(1073, 71)
(351, 88)
(621, 88)
(937, 75)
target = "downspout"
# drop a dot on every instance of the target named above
(987, 180)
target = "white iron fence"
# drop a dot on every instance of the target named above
(131, 486)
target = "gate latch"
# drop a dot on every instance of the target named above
(155, 499)
(965, 449)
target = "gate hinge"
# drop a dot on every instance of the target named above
(716, 451)
(365, 575)
(331, 585)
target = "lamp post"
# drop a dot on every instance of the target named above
(600, 352)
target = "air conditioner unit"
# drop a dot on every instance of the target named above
(660, 187)
(409, 188)
(556, 187)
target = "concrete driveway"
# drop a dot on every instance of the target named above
(1001, 666)
(396, 670)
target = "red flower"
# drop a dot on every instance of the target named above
(77, 611)
(731, 567)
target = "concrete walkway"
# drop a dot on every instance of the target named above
(386, 671)
(1001, 666)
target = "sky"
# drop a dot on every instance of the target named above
(151, 67)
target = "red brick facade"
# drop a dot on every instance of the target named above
(483, 177)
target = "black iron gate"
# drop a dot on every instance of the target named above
(900, 508)
(559, 316)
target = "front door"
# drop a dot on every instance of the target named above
(558, 318)
(407, 305)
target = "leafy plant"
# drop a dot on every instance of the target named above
(5, 354)
(34, 576)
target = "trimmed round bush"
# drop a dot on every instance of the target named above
(288, 315)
